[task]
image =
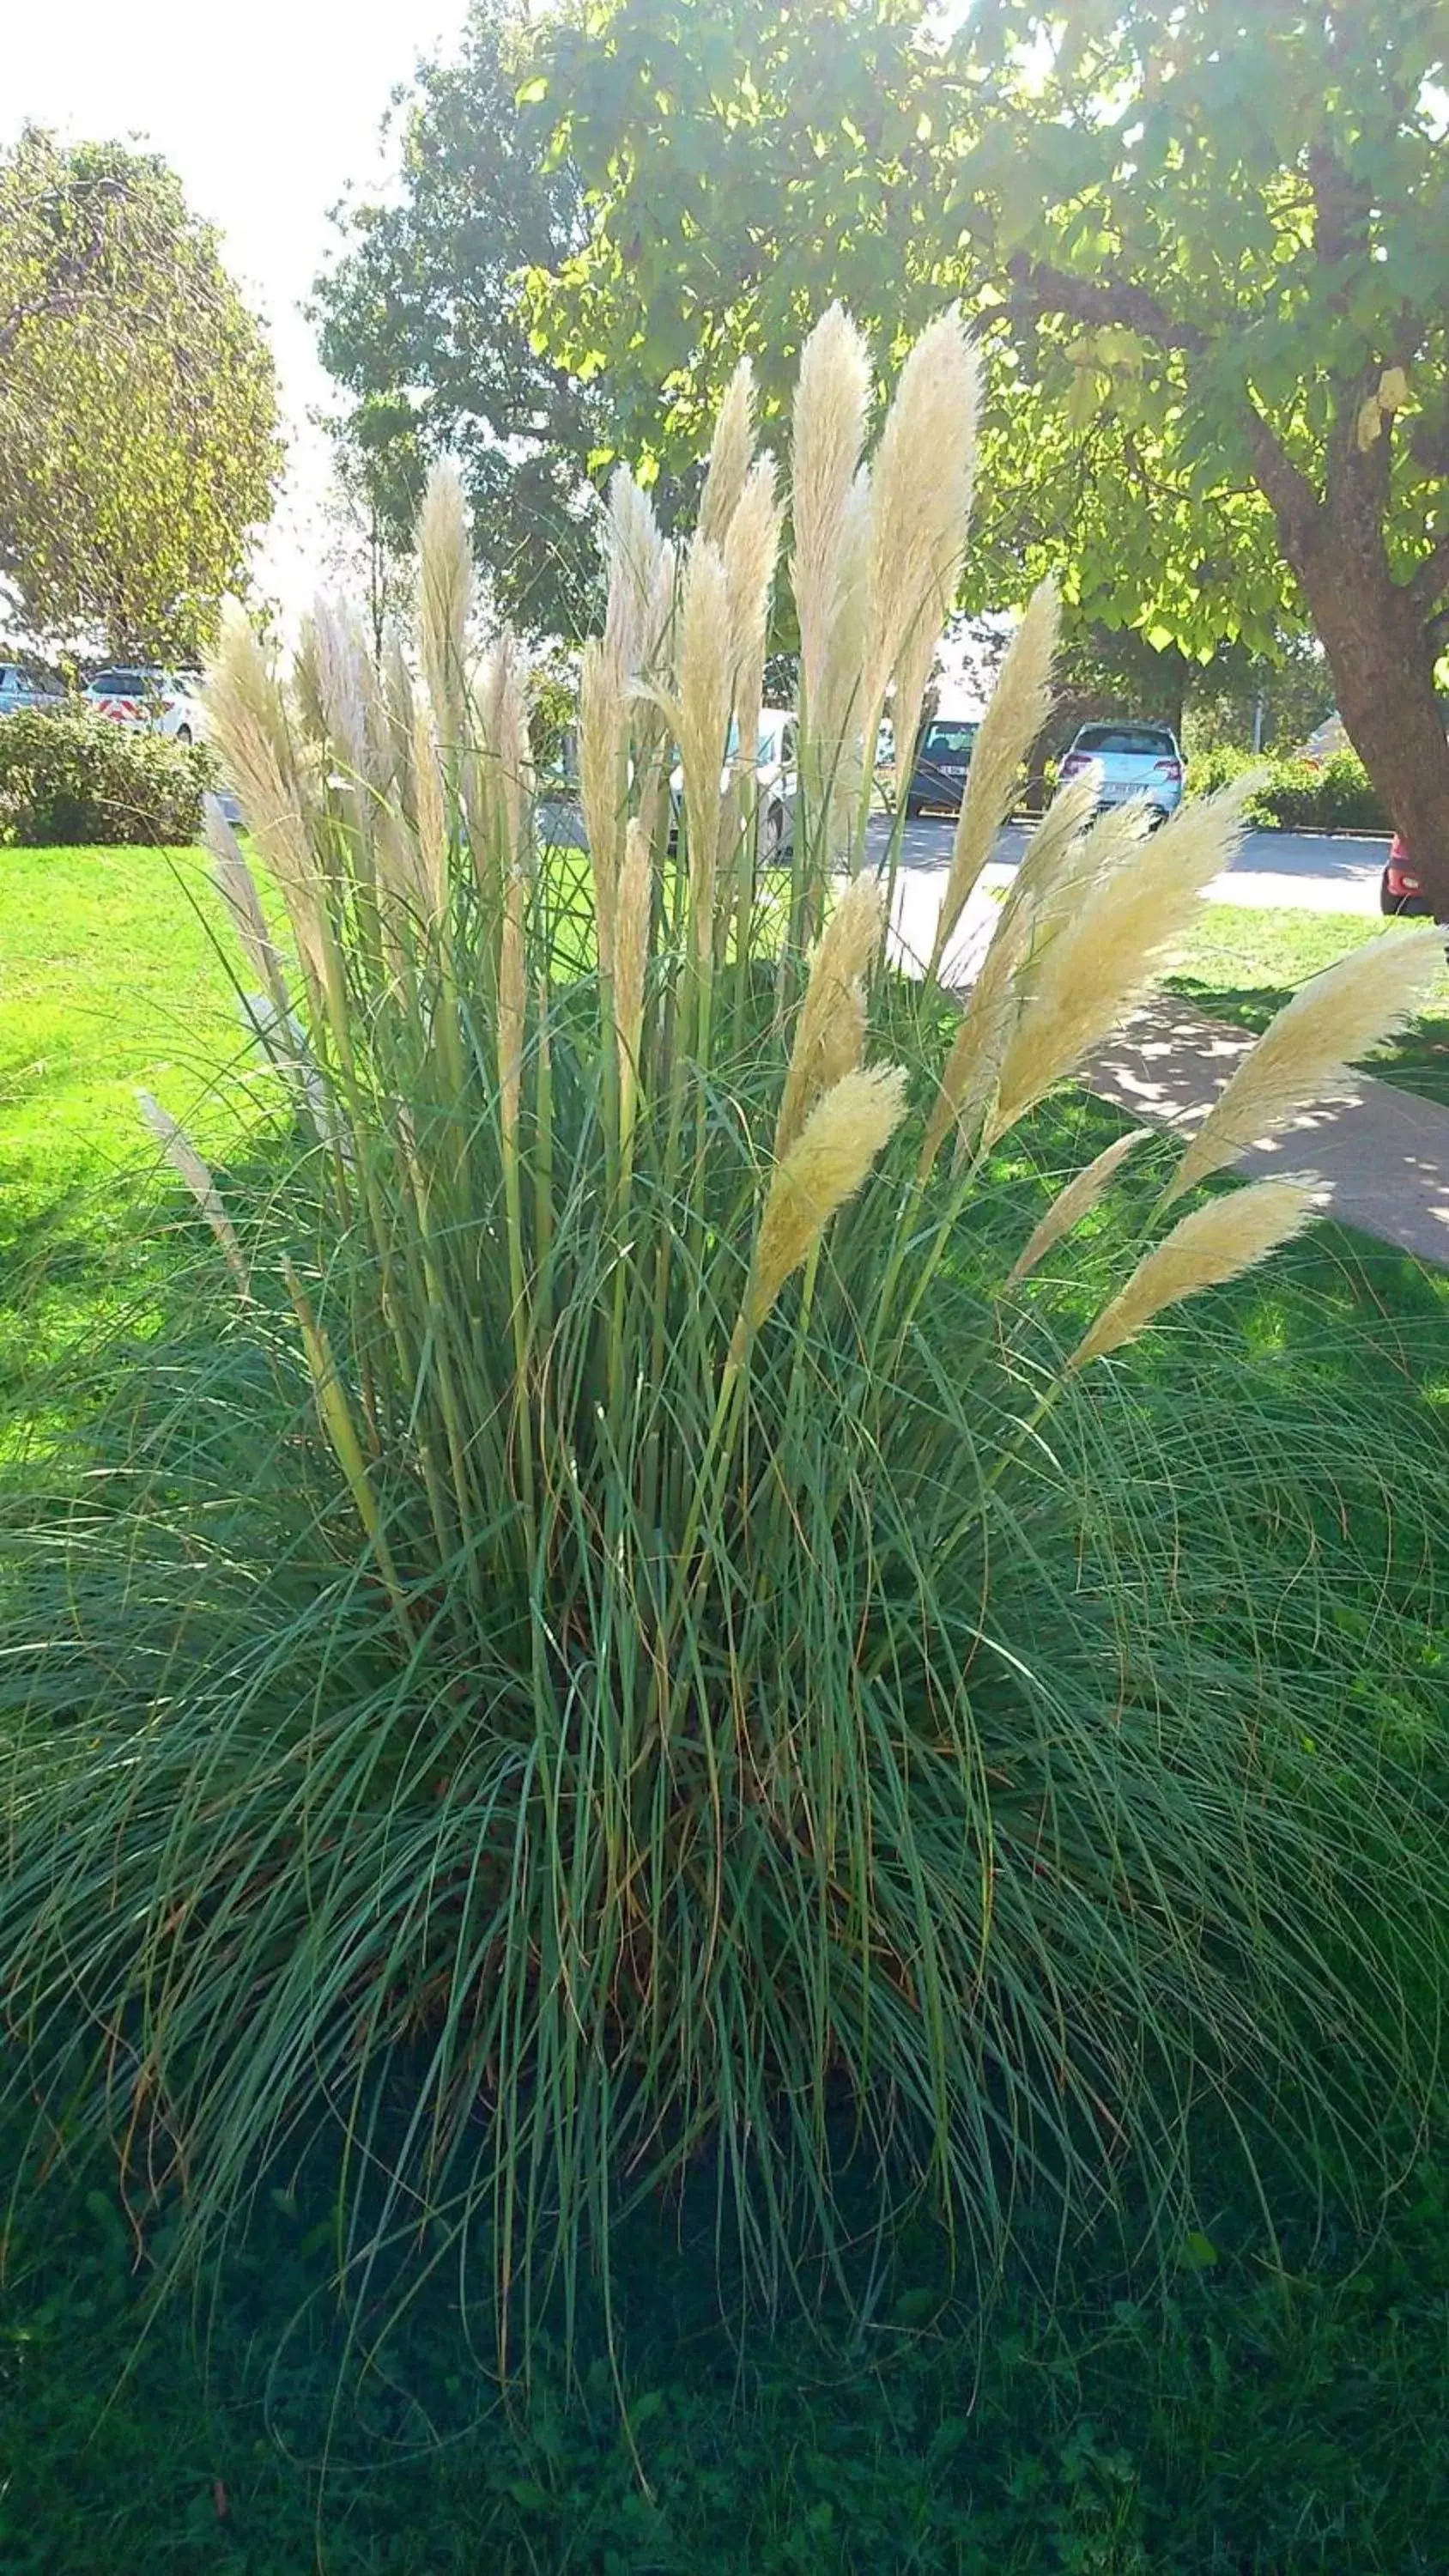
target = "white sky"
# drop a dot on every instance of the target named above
(268, 110)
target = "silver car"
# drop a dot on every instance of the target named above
(1126, 761)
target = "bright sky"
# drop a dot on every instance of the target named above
(269, 111)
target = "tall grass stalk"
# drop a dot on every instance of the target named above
(599, 1671)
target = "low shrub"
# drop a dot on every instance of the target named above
(645, 1633)
(1335, 795)
(70, 777)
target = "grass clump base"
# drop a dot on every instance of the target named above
(618, 1647)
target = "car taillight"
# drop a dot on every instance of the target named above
(1074, 763)
(1169, 768)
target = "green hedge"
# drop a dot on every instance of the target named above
(1297, 796)
(71, 777)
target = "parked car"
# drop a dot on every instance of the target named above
(1325, 742)
(20, 688)
(1399, 888)
(775, 772)
(165, 702)
(943, 757)
(1126, 761)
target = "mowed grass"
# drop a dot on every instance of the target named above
(1244, 964)
(1282, 2409)
(111, 979)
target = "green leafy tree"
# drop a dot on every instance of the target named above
(1205, 241)
(1227, 226)
(422, 323)
(138, 414)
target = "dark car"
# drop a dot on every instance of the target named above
(1399, 889)
(943, 756)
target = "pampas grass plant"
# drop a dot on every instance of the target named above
(623, 1666)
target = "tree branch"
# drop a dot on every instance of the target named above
(1052, 290)
(1296, 506)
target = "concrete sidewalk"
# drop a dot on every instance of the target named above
(1385, 1153)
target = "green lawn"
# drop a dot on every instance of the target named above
(110, 979)
(1282, 2408)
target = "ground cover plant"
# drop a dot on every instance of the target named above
(634, 1635)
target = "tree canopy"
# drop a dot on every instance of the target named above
(138, 414)
(1205, 243)
(423, 325)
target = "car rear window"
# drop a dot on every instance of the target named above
(1145, 738)
(121, 684)
(948, 738)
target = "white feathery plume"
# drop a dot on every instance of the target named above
(824, 1167)
(1213, 1243)
(1020, 703)
(338, 655)
(705, 697)
(834, 746)
(729, 455)
(237, 887)
(247, 725)
(921, 487)
(830, 1028)
(603, 743)
(185, 1160)
(1074, 1202)
(632, 549)
(830, 402)
(445, 599)
(1110, 951)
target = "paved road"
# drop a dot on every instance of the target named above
(1310, 871)
(1319, 871)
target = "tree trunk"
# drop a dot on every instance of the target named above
(1378, 634)
(1382, 660)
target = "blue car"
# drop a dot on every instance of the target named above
(20, 688)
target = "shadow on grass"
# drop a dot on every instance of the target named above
(1417, 1060)
(1281, 2407)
